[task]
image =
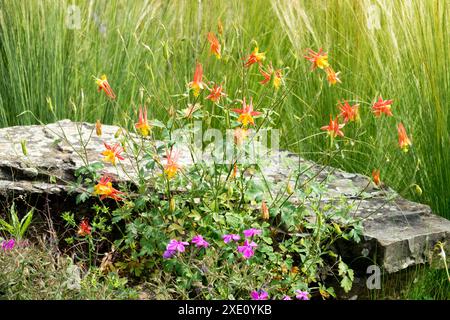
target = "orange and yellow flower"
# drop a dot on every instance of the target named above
(197, 84)
(215, 93)
(84, 228)
(332, 77)
(403, 141)
(376, 176)
(318, 59)
(104, 189)
(382, 106)
(277, 79)
(334, 128)
(269, 74)
(246, 114)
(255, 57)
(104, 85)
(143, 126)
(266, 74)
(112, 153)
(214, 45)
(171, 167)
(348, 112)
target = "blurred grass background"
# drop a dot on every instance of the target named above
(48, 68)
(148, 50)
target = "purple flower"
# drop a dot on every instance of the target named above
(200, 242)
(228, 237)
(301, 295)
(259, 295)
(287, 298)
(175, 245)
(251, 232)
(247, 249)
(168, 254)
(8, 245)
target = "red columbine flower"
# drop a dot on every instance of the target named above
(214, 44)
(171, 167)
(255, 57)
(334, 128)
(349, 113)
(376, 176)
(266, 74)
(215, 93)
(332, 77)
(112, 152)
(104, 85)
(403, 141)
(197, 84)
(105, 189)
(318, 59)
(246, 113)
(142, 125)
(382, 106)
(84, 228)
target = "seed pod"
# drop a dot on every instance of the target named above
(23, 144)
(418, 190)
(264, 211)
(98, 128)
(172, 205)
(118, 133)
(289, 189)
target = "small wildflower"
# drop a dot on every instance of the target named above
(332, 77)
(104, 85)
(287, 298)
(8, 245)
(197, 84)
(403, 141)
(112, 152)
(168, 254)
(334, 128)
(105, 189)
(143, 125)
(177, 246)
(231, 237)
(215, 93)
(318, 59)
(84, 228)
(277, 79)
(255, 57)
(267, 74)
(171, 167)
(252, 232)
(259, 295)
(349, 113)
(214, 45)
(302, 295)
(246, 114)
(382, 106)
(200, 242)
(247, 249)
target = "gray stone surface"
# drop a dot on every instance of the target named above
(397, 232)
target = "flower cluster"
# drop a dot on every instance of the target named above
(320, 60)
(174, 246)
(247, 249)
(264, 295)
(8, 244)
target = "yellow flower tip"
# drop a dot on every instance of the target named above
(109, 156)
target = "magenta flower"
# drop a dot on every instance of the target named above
(8, 245)
(301, 295)
(168, 254)
(287, 298)
(252, 232)
(247, 249)
(175, 245)
(200, 242)
(229, 237)
(259, 295)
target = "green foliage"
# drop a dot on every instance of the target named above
(16, 227)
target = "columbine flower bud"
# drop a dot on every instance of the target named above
(418, 190)
(118, 133)
(172, 205)
(219, 27)
(264, 211)
(23, 144)
(98, 128)
(289, 189)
